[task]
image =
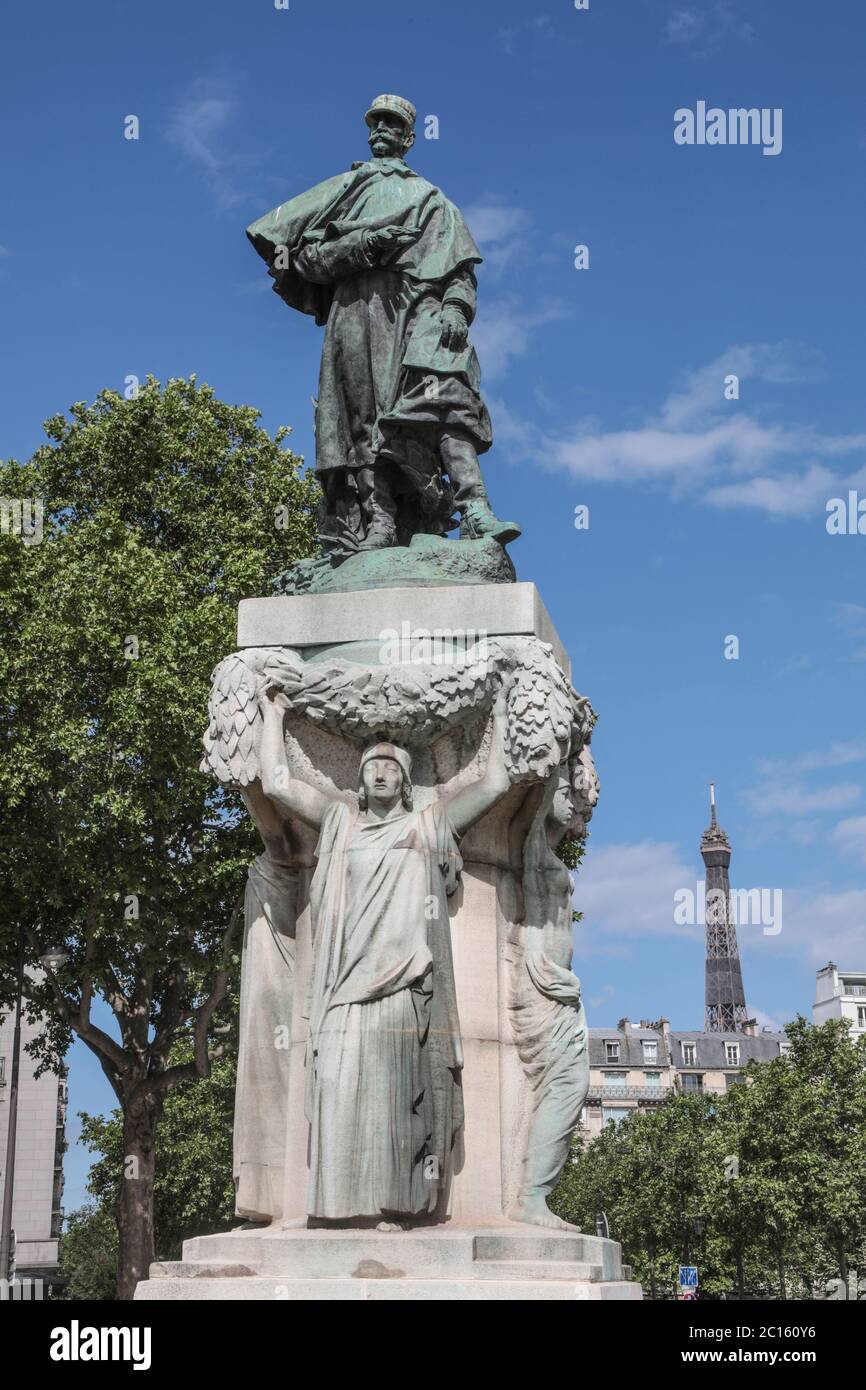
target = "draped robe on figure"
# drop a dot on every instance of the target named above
(267, 983)
(384, 1102)
(382, 340)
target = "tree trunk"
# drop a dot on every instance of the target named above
(135, 1197)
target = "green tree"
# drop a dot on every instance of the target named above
(806, 1147)
(160, 513)
(193, 1190)
(88, 1254)
(763, 1186)
(645, 1175)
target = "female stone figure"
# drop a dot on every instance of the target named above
(267, 986)
(547, 1014)
(384, 1054)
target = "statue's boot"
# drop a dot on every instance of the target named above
(377, 499)
(477, 518)
(381, 532)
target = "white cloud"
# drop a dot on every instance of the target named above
(200, 128)
(628, 891)
(492, 223)
(819, 924)
(602, 996)
(503, 331)
(504, 328)
(703, 29)
(698, 440)
(684, 26)
(514, 38)
(501, 231)
(850, 618)
(837, 755)
(850, 836)
(787, 798)
(794, 665)
(788, 495)
(765, 1020)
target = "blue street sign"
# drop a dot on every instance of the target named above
(688, 1276)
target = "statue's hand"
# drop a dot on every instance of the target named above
(388, 240)
(500, 704)
(273, 696)
(455, 329)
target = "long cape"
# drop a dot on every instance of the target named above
(375, 194)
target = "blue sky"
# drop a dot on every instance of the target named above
(707, 516)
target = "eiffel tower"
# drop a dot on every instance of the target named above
(725, 1010)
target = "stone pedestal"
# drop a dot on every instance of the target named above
(366, 673)
(447, 1263)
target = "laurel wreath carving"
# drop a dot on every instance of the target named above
(410, 703)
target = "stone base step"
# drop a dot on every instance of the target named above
(386, 1290)
(372, 1269)
(508, 1262)
(536, 1269)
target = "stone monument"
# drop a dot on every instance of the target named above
(400, 721)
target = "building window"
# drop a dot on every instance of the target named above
(784, 1049)
(611, 1051)
(650, 1053)
(653, 1080)
(614, 1079)
(614, 1114)
(691, 1082)
(733, 1080)
(688, 1054)
(732, 1054)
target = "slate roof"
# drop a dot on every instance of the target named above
(709, 1048)
(630, 1046)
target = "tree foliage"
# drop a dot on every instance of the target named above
(763, 1187)
(161, 512)
(88, 1254)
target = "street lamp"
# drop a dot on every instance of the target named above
(51, 960)
(54, 957)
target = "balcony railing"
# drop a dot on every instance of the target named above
(628, 1092)
(707, 1088)
(651, 1093)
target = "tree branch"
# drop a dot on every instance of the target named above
(78, 1020)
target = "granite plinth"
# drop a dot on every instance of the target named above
(497, 1264)
(318, 620)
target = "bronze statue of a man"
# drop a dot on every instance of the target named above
(384, 260)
